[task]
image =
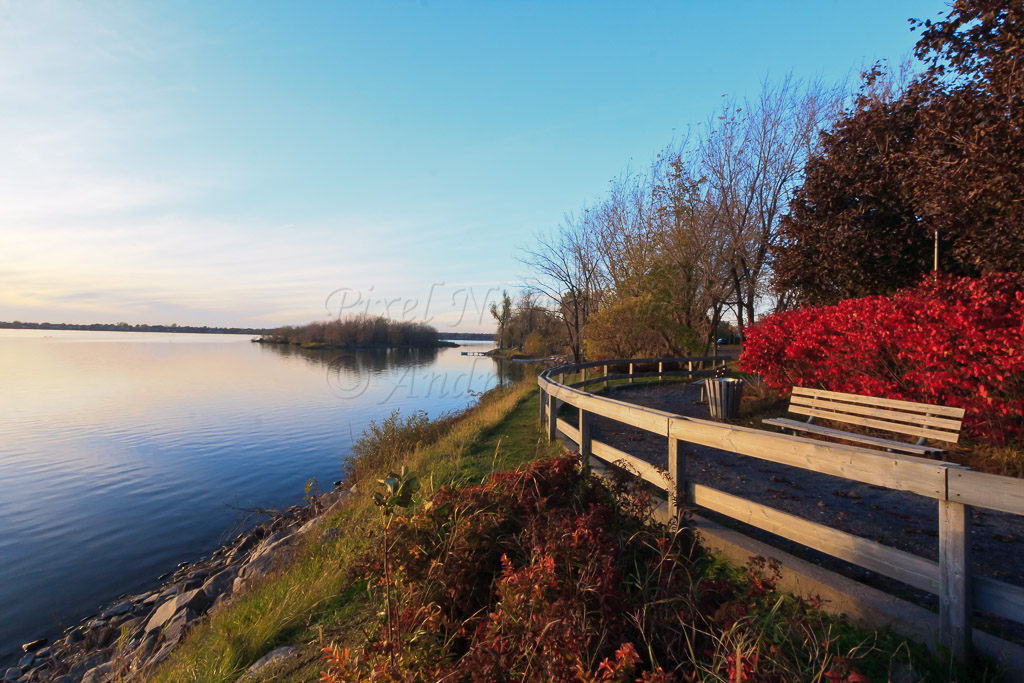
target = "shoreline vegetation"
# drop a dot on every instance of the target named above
(357, 332)
(437, 586)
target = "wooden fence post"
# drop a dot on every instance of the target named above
(630, 372)
(585, 438)
(606, 376)
(552, 419)
(955, 578)
(542, 397)
(584, 370)
(689, 367)
(660, 366)
(561, 378)
(677, 478)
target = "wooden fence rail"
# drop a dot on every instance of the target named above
(954, 488)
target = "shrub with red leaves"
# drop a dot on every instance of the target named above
(954, 341)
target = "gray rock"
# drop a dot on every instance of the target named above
(12, 674)
(64, 679)
(116, 610)
(43, 653)
(268, 662)
(97, 674)
(194, 600)
(34, 645)
(26, 661)
(178, 625)
(77, 635)
(218, 584)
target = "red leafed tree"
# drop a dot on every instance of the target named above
(946, 153)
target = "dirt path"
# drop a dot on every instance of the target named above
(899, 519)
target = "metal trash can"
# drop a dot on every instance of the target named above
(724, 397)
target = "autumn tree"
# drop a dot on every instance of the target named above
(943, 156)
(502, 314)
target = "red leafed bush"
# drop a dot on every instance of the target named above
(954, 341)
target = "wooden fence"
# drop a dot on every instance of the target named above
(955, 488)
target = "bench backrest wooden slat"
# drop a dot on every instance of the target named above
(910, 406)
(902, 417)
(868, 411)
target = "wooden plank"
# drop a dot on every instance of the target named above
(878, 424)
(945, 411)
(643, 418)
(552, 417)
(955, 578)
(611, 455)
(885, 414)
(896, 564)
(584, 437)
(850, 462)
(989, 491)
(863, 438)
(568, 430)
(998, 597)
(676, 484)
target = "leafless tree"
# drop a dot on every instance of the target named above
(563, 267)
(753, 154)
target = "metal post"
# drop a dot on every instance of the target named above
(955, 578)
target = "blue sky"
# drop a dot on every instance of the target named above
(236, 163)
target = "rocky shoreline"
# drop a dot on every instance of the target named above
(131, 636)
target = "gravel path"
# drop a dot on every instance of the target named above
(899, 519)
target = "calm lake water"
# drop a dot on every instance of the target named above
(123, 454)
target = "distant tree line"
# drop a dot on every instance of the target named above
(356, 331)
(805, 194)
(125, 327)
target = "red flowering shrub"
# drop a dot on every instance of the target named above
(954, 341)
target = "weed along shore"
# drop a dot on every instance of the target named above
(134, 633)
(492, 555)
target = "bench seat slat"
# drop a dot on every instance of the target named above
(897, 427)
(943, 411)
(861, 438)
(894, 415)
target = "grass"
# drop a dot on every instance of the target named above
(310, 597)
(312, 601)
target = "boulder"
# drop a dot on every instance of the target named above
(218, 584)
(194, 600)
(12, 674)
(117, 610)
(26, 661)
(97, 674)
(178, 625)
(34, 645)
(268, 662)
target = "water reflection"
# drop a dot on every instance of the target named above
(123, 456)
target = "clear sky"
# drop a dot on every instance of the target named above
(236, 163)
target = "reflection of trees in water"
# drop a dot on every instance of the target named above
(349, 370)
(358, 360)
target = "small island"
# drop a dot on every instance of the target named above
(357, 332)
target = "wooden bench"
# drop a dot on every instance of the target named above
(940, 423)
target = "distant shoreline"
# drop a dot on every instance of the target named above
(198, 329)
(124, 327)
